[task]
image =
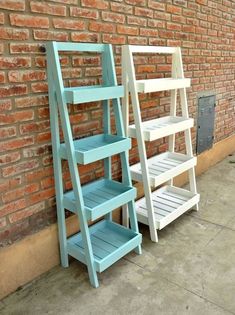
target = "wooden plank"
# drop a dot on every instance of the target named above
(65, 46)
(157, 85)
(79, 96)
(151, 49)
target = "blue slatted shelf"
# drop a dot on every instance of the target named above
(78, 95)
(101, 197)
(97, 147)
(110, 242)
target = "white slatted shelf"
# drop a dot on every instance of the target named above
(161, 127)
(169, 203)
(164, 167)
(157, 85)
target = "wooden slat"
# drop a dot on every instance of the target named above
(152, 49)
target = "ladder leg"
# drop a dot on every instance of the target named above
(107, 161)
(134, 224)
(188, 143)
(58, 176)
(88, 252)
(141, 145)
(172, 137)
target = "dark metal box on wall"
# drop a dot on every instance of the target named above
(205, 122)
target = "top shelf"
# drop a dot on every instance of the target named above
(157, 85)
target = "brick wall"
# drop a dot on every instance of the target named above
(204, 29)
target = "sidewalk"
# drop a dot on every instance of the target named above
(190, 271)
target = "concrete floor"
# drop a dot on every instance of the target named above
(190, 271)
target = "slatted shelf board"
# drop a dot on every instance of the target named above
(157, 85)
(164, 167)
(97, 147)
(161, 127)
(110, 242)
(169, 203)
(101, 197)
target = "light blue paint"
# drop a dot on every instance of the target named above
(102, 244)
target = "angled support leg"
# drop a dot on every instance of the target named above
(54, 121)
(127, 55)
(188, 139)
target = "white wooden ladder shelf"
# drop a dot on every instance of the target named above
(105, 242)
(159, 208)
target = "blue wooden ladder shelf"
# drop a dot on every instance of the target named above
(105, 242)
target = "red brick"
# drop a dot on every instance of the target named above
(12, 90)
(204, 2)
(47, 8)
(3, 222)
(13, 33)
(135, 40)
(50, 35)
(173, 26)
(9, 184)
(25, 48)
(9, 158)
(20, 192)
(37, 151)
(16, 117)
(114, 39)
(37, 175)
(101, 27)
(144, 12)
(47, 182)
(84, 13)
(19, 168)
(113, 17)
(12, 207)
(2, 18)
(41, 195)
(148, 32)
(156, 5)
(84, 37)
(43, 136)
(97, 4)
(29, 21)
(39, 87)
(5, 105)
(173, 9)
(15, 5)
(121, 7)
(26, 75)
(136, 20)
(7, 132)
(128, 30)
(146, 68)
(69, 24)
(16, 143)
(66, 1)
(43, 113)
(29, 211)
(34, 126)
(15, 62)
(31, 101)
(2, 77)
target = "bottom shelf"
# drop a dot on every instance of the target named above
(110, 242)
(169, 203)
